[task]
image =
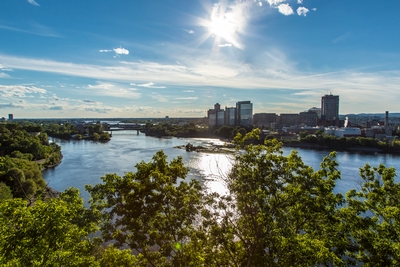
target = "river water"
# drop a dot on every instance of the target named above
(85, 162)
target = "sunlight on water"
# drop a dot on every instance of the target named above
(214, 169)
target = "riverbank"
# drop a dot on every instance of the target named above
(355, 149)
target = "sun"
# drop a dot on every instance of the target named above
(223, 25)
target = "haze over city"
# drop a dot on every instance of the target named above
(177, 58)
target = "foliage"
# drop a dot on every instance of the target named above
(152, 211)
(331, 141)
(23, 177)
(279, 211)
(373, 216)
(52, 233)
(5, 192)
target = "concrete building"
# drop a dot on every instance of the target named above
(288, 119)
(308, 118)
(264, 119)
(10, 117)
(244, 113)
(330, 107)
(212, 115)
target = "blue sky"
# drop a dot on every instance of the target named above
(178, 58)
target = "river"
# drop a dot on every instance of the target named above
(85, 162)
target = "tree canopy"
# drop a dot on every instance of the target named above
(278, 212)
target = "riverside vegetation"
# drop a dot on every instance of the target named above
(279, 212)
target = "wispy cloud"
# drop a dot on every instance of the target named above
(187, 98)
(188, 91)
(189, 31)
(4, 75)
(150, 85)
(34, 28)
(158, 97)
(118, 51)
(225, 45)
(113, 90)
(33, 2)
(342, 38)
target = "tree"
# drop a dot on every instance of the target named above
(152, 211)
(51, 233)
(373, 218)
(279, 211)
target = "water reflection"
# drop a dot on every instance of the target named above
(85, 162)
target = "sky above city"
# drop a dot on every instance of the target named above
(177, 58)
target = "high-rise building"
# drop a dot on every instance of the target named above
(230, 116)
(330, 107)
(244, 113)
(10, 117)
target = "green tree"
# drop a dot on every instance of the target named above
(51, 233)
(373, 218)
(152, 211)
(279, 212)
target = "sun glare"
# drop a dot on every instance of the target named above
(223, 24)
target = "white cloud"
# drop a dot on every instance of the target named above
(118, 51)
(300, 2)
(4, 75)
(150, 85)
(302, 11)
(33, 2)
(275, 2)
(188, 91)
(225, 45)
(285, 9)
(113, 90)
(187, 98)
(159, 97)
(189, 31)
(20, 91)
(314, 9)
(121, 51)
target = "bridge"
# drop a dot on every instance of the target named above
(123, 127)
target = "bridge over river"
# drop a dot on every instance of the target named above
(110, 127)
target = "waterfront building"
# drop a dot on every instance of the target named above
(330, 107)
(264, 119)
(244, 113)
(308, 118)
(230, 116)
(212, 115)
(10, 117)
(288, 119)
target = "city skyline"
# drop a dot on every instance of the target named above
(177, 58)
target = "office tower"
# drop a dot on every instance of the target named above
(10, 117)
(230, 116)
(330, 107)
(244, 113)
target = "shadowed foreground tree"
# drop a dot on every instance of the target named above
(51, 233)
(279, 211)
(373, 217)
(152, 211)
